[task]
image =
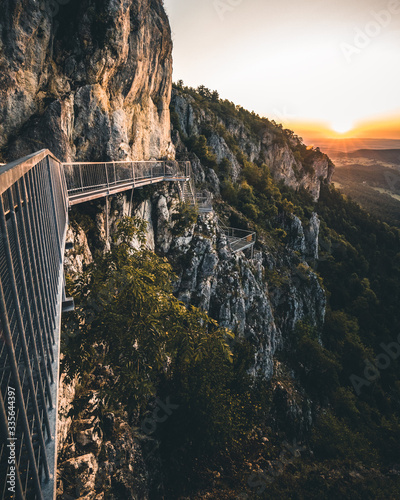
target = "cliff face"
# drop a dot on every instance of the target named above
(89, 80)
(227, 134)
(260, 299)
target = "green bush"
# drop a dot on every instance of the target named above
(124, 303)
(183, 218)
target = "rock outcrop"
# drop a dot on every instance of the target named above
(267, 145)
(88, 80)
(102, 456)
(260, 299)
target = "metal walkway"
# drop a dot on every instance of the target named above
(202, 202)
(33, 221)
(35, 194)
(239, 239)
(88, 181)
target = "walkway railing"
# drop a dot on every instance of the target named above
(202, 202)
(33, 222)
(239, 239)
(88, 181)
(35, 194)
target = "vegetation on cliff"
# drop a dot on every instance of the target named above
(128, 320)
(349, 369)
(222, 420)
(227, 433)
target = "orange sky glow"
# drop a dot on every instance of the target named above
(380, 128)
(324, 68)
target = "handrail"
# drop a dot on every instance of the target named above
(111, 162)
(239, 239)
(202, 202)
(11, 172)
(91, 180)
(33, 223)
(248, 239)
(233, 231)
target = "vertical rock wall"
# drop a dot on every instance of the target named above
(90, 80)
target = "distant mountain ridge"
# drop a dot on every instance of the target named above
(350, 145)
(386, 155)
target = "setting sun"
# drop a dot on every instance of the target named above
(342, 126)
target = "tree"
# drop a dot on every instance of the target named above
(215, 96)
(124, 303)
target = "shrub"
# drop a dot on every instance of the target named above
(185, 216)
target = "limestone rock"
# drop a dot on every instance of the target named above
(80, 255)
(311, 234)
(265, 146)
(82, 473)
(296, 235)
(65, 399)
(88, 83)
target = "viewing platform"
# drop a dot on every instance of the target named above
(239, 239)
(35, 195)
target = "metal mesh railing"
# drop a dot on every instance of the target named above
(201, 201)
(34, 196)
(87, 181)
(239, 239)
(33, 219)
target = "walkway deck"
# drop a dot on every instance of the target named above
(239, 239)
(35, 194)
(90, 181)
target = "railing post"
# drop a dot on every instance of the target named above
(80, 175)
(107, 227)
(107, 179)
(115, 175)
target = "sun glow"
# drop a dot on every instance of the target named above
(342, 126)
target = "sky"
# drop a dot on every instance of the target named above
(321, 67)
